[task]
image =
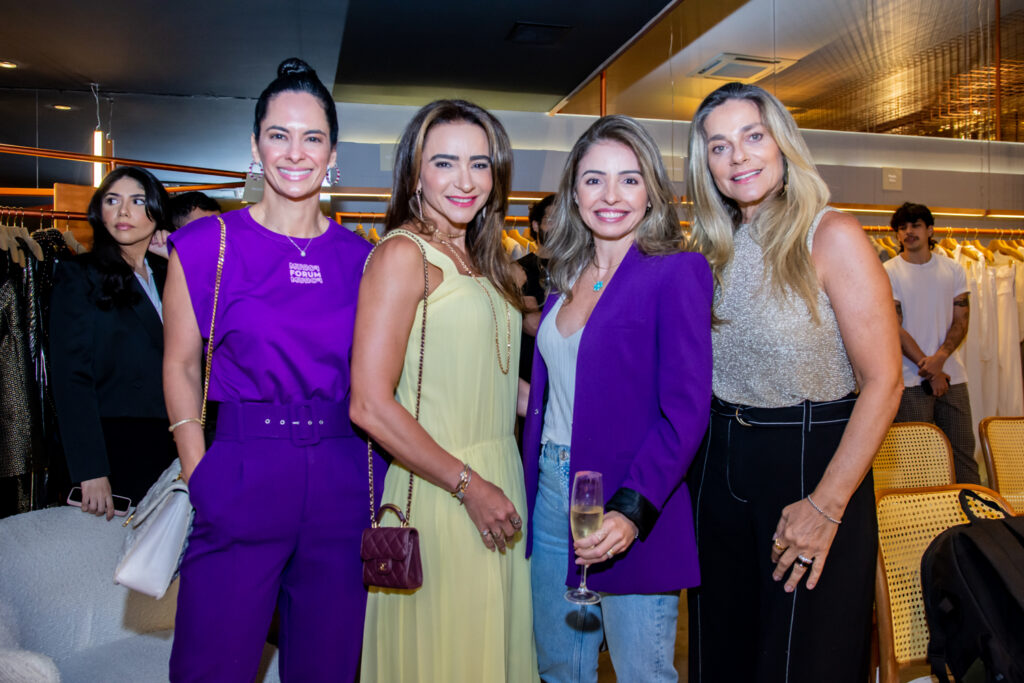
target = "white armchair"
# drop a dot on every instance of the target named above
(60, 609)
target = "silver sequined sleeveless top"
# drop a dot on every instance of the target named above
(767, 351)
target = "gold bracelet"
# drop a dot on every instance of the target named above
(181, 422)
(464, 478)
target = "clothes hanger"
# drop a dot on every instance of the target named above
(74, 245)
(32, 245)
(884, 246)
(989, 256)
(1003, 248)
(518, 238)
(5, 243)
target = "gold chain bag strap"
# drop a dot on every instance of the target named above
(391, 555)
(160, 526)
(213, 318)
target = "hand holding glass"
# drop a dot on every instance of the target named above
(586, 513)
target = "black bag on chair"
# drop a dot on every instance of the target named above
(972, 577)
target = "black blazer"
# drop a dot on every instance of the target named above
(102, 363)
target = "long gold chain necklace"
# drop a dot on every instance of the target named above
(494, 314)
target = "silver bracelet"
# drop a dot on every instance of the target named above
(822, 512)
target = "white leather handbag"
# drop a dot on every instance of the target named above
(157, 536)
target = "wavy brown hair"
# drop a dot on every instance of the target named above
(483, 234)
(570, 242)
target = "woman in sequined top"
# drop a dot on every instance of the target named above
(782, 490)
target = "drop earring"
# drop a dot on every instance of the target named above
(252, 192)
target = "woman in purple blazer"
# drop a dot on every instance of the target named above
(622, 381)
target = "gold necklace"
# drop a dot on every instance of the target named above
(444, 234)
(494, 314)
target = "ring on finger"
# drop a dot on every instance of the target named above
(610, 554)
(778, 545)
(516, 522)
(804, 562)
(485, 533)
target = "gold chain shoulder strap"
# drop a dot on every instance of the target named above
(213, 317)
(419, 375)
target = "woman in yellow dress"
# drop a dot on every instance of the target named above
(472, 618)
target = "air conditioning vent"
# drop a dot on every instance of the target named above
(743, 68)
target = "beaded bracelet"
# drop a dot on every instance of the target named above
(822, 512)
(181, 422)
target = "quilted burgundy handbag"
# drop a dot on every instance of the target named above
(391, 555)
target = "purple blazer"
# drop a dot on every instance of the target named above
(643, 395)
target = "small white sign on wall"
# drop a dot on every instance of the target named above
(892, 179)
(387, 157)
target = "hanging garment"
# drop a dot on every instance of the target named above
(15, 398)
(978, 350)
(1010, 393)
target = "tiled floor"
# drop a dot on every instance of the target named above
(606, 674)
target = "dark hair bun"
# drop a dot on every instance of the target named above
(294, 67)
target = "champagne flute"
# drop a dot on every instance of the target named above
(586, 513)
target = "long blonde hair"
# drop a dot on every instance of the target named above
(570, 243)
(783, 221)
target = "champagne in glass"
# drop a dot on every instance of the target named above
(586, 512)
(585, 519)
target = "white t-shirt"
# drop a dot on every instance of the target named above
(926, 292)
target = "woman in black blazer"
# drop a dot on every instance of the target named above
(106, 346)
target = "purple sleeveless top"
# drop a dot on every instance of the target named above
(284, 321)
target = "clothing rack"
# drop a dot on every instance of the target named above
(16, 212)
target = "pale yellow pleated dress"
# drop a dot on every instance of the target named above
(471, 621)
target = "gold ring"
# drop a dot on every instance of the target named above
(778, 546)
(610, 554)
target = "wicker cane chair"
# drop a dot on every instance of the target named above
(908, 520)
(913, 454)
(1002, 442)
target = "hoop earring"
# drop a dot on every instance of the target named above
(417, 208)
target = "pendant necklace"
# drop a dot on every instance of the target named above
(302, 250)
(600, 283)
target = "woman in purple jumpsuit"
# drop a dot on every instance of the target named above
(280, 496)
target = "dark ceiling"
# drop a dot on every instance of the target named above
(523, 48)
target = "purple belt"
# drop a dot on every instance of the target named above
(304, 424)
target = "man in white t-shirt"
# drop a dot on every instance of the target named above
(931, 296)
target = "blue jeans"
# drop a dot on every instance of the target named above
(640, 629)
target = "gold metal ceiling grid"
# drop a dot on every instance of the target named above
(945, 90)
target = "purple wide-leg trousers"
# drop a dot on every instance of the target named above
(278, 522)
